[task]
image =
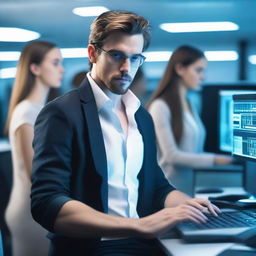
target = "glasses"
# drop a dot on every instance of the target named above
(120, 57)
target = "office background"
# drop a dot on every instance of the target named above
(56, 21)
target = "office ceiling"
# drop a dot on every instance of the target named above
(54, 20)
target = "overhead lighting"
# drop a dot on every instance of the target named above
(89, 11)
(7, 73)
(252, 59)
(221, 55)
(157, 56)
(66, 53)
(17, 35)
(154, 56)
(74, 52)
(199, 27)
(9, 56)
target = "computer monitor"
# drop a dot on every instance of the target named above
(225, 118)
(244, 136)
(216, 114)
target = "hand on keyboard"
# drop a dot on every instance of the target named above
(204, 206)
(161, 221)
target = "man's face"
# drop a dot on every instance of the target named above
(109, 70)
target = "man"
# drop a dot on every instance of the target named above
(97, 186)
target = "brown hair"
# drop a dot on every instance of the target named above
(168, 87)
(122, 21)
(33, 52)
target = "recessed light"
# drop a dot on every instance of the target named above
(199, 26)
(89, 11)
(252, 59)
(221, 55)
(17, 35)
(9, 56)
(157, 56)
(8, 73)
(74, 52)
(153, 56)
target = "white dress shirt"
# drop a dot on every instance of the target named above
(124, 152)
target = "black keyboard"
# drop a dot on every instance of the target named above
(234, 219)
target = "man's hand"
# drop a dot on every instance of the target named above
(160, 222)
(203, 205)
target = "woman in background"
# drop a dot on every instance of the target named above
(39, 69)
(179, 130)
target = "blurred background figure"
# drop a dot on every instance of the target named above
(78, 78)
(180, 132)
(39, 69)
(139, 85)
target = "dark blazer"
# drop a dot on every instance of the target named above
(70, 164)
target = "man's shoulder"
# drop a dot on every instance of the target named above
(67, 97)
(143, 115)
(65, 105)
(142, 112)
(66, 100)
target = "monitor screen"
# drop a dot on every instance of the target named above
(244, 137)
(216, 113)
(225, 118)
(244, 126)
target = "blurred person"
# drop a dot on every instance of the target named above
(96, 184)
(179, 129)
(78, 78)
(39, 69)
(138, 85)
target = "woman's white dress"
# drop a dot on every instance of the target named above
(28, 237)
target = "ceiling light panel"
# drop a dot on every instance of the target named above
(252, 59)
(74, 52)
(199, 27)
(17, 35)
(90, 11)
(9, 56)
(8, 73)
(221, 55)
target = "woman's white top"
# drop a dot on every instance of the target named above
(178, 161)
(28, 237)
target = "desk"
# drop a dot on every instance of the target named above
(219, 176)
(176, 247)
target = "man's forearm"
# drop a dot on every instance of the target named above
(76, 219)
(175, 198)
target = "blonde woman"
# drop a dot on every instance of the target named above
(39, 69)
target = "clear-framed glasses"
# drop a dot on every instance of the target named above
(120, 57)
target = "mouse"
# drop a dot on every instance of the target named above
(247, 237)
(209, 190)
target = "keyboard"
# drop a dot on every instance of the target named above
(234, 219)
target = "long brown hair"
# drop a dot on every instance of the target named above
(168, 87)
(33, 52)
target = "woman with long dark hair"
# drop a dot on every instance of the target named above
(180, 132)
(39, 70)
